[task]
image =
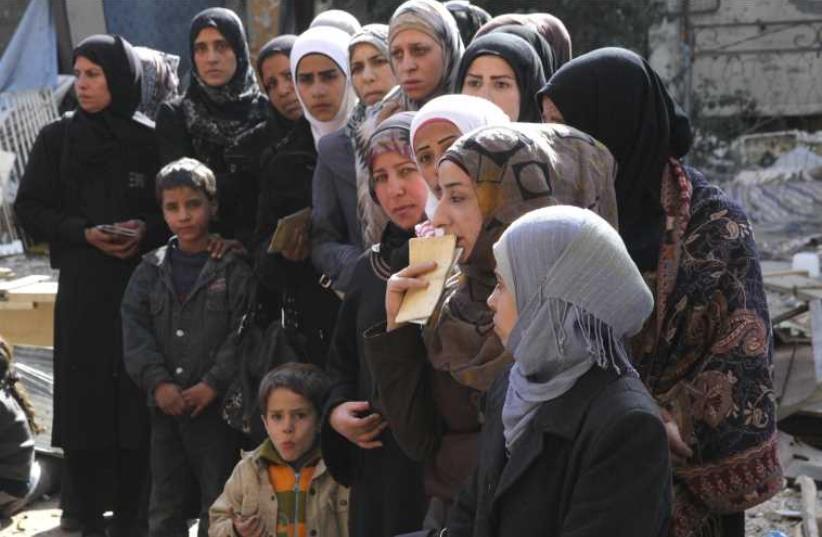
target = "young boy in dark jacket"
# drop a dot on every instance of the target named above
(179, 311)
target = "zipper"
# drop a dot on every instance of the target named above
(296, 504)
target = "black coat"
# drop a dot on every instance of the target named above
(310, 310)
(387, 493)
(96, 405)
(593, 463)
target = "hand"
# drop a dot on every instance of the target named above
(218, 246)
(680, 452)
(247, 526)
(198, 397)
(116, 245)
(298, 247)
(398, 284)
(169, 398)
(358, 430)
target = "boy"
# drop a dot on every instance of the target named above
(179, 311)
(283, 488)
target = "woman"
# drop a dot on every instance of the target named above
(506, 70)
(339, 19)
(221, 103)
(544, 51)
(425, 47)
(319, 67)
(573, 444)
(88, 169)
(705, 355)
(469, 17)
(432, 383)
(336, 236)
(548, 26)
(358, 450)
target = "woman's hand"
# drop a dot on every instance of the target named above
(118, 246)
(346, 420)
(398, 284)
(218, 246)
(680, 452)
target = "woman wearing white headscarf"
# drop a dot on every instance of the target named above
(573, 443)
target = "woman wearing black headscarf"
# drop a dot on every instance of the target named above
(469, 17)
(222, 103)
(705, 354)
(94, 167)
(506, 70)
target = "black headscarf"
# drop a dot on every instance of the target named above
(615, 96)
(537, 42)
(215, 116)
(279, 45)
(468, 16)
(92, 137)
(523, 60)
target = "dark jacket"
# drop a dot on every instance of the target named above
(16, 445)
(310, 310)
(165, 340)
(233, 167)
(336, 235)
(378, 506)
(96, 405)
(593, 462)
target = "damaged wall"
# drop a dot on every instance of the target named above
(760, 56)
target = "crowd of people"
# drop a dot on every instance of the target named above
(599, 364)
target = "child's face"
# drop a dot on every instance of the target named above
(291, 422)
(187, 212)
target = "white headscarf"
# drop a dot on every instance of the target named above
(337, 18)
(466, 112)
(578, 295)
(331, 42)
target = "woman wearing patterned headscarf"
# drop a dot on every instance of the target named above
(425, 47)
(358, 449)
(336, 236)
(551, 28)
(706, 354)
(432, 383)
(506, 70)
(222, 103)
(573, 443)
(93, 167)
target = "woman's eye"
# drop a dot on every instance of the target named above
(425, 159)
(379, 62)
(381, 178)
(502, 85)
(356, 68)
(221, 46)
(396, 54)
(328, 77)
(419, 51)
(474, 83)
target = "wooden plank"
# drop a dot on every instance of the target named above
(802, 287)
(22, 282)
(16, 306)
(38, 292)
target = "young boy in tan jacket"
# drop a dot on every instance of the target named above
(282, 488)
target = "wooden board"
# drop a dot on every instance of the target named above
(36, 292)
(31, 326)
(9, 285)
(793, 283)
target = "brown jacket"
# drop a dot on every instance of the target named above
(249, 492)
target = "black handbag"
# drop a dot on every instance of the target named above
(262, 345)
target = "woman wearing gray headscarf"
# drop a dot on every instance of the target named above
(573, 443)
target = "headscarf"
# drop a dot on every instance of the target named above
(538, 43)
(616, 97)
(469, 17)
(433, 19)
(333, 43)
(548, 26)
(160, 81)
(392, 136)
(339, 19)
(516, 168)
(578, 296)
(94, 137)
(216, 116)
(466, 112)
(375, 35)
(522, 59)
(282, 44)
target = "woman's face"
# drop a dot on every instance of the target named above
(550, 112)
(276, 74)
(417, 60)
(492, 78)
(430, 142)
(371, 73)
(400, 188)
(502, 303)
(90, 85)
(458, 212)
(321, 85)
(214, 58)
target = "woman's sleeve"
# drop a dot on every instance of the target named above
(399, 365)
(173, 140)
(39, 204)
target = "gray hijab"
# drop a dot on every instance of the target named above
(578, 295)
